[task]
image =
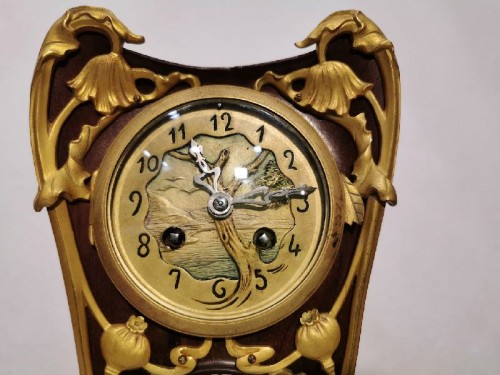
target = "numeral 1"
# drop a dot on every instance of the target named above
(261, 133)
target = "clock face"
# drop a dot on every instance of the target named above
(217, 211)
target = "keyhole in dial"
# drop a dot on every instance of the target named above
(264, 239)
(173, 237)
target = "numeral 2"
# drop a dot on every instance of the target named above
(290, 155)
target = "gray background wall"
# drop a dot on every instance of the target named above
(434, 296)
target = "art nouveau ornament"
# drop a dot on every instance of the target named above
(206, 227)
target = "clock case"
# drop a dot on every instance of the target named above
(87, 87)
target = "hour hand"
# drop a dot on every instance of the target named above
(196, 151)
(268, 197)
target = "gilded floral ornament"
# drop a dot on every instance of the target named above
(331, 85)
(61, 37)
(342, 86)
(367, 37)
(287, 372)
(355, 207)
(106, 80)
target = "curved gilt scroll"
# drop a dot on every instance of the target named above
(106, 80)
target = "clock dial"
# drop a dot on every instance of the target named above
(220, 211)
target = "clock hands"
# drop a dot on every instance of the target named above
(220, 205)
(269, 197)
(196, 151)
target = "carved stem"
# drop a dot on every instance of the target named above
(387, 63)
(56, 126)
(329, 367)
(357, 128)
(40, 92)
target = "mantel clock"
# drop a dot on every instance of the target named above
(215, 221)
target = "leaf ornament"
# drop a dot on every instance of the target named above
(355, 208)
(367, 37)
(108, 81)
(331, 86)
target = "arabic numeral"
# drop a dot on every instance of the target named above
(261, 133)
(295, 250)
(177, 277)
(132, 199)
(306, 205)
(218, 292)
(150, 162)
(143, 249)
(262, 278)
(225, 117)
(290, 155)
(181, 130)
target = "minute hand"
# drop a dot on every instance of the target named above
(267, 197)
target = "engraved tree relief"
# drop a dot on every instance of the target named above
(106, 80)
(220, 248)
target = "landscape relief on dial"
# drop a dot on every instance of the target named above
(218, 213)
(229, 251)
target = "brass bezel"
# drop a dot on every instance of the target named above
(162, 314)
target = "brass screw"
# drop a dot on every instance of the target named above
(182, 359)
(252, 359)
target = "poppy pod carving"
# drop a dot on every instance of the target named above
(318, 338)
(125, 347)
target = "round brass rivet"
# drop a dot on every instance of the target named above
(252, 359)
(182, 359)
